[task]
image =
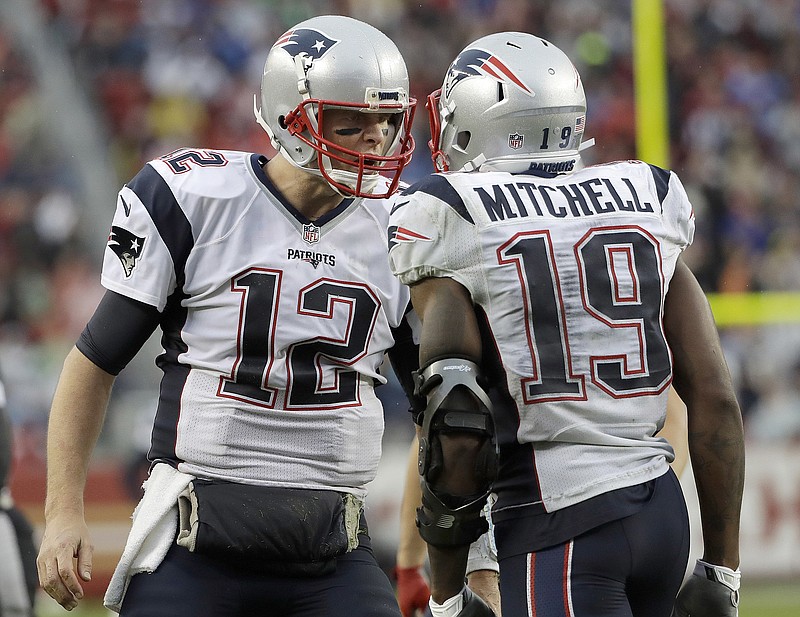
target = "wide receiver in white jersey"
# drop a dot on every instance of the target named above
(564, 287)
(270, 284)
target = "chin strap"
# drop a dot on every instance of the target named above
(262, 123)
(474, 164)
(350, 179)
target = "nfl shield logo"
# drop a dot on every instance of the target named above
(310, 233)
(515, 141)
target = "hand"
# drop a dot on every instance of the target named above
(486, 584)
(711, 591)
(474, 606)
(471, 606)
(412, 591)
(65, 539)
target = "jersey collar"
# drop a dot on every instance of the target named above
(257, 162)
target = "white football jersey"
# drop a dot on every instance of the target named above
(273, 326)
(571, 272)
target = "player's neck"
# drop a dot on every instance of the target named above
(309, 194)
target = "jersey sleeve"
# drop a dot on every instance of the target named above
(423, 216)
(404, 357)
(678, 214)
(137, 262)
(413, 241)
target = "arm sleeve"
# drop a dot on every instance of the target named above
(404, 357)
(118, 329)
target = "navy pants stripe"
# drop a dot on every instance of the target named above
(548, 588)
(632, 567)
(191, 585)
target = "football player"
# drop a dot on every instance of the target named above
(18, 582)
(269, 282)
(590, 314)
(413, 592)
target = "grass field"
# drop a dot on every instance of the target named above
(770, 600)
(758, 600)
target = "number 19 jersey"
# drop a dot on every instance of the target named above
(571, 272)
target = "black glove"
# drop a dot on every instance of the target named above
(471, 605)
(474, 606)
(711, 591)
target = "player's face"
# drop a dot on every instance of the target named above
(368, 133)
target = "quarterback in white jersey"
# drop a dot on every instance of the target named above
(563, 288)
(273, 325)
(269, 282)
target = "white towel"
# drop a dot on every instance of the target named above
(155, 523)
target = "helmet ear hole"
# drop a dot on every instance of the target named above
(462, 139)
(282, 122)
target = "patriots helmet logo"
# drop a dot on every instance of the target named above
(305, 42)
(127, 246)
(478, 62)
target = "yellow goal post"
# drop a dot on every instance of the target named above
(652, 145)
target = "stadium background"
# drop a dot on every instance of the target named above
(91, 89)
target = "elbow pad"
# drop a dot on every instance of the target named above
(445, 519)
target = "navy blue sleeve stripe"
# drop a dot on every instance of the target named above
(169, 219)
(661, 177)
(176, 232)
(165, 425)
(438, 186)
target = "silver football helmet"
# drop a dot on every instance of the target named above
(509, 101)
(336, 62)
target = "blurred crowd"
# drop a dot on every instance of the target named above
(160, 74)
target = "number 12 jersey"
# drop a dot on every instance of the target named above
(274, 326)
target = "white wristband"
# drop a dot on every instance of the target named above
(448, 608)
(730, 578)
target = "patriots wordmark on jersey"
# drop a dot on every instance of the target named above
(274, 325)
(571, 272)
